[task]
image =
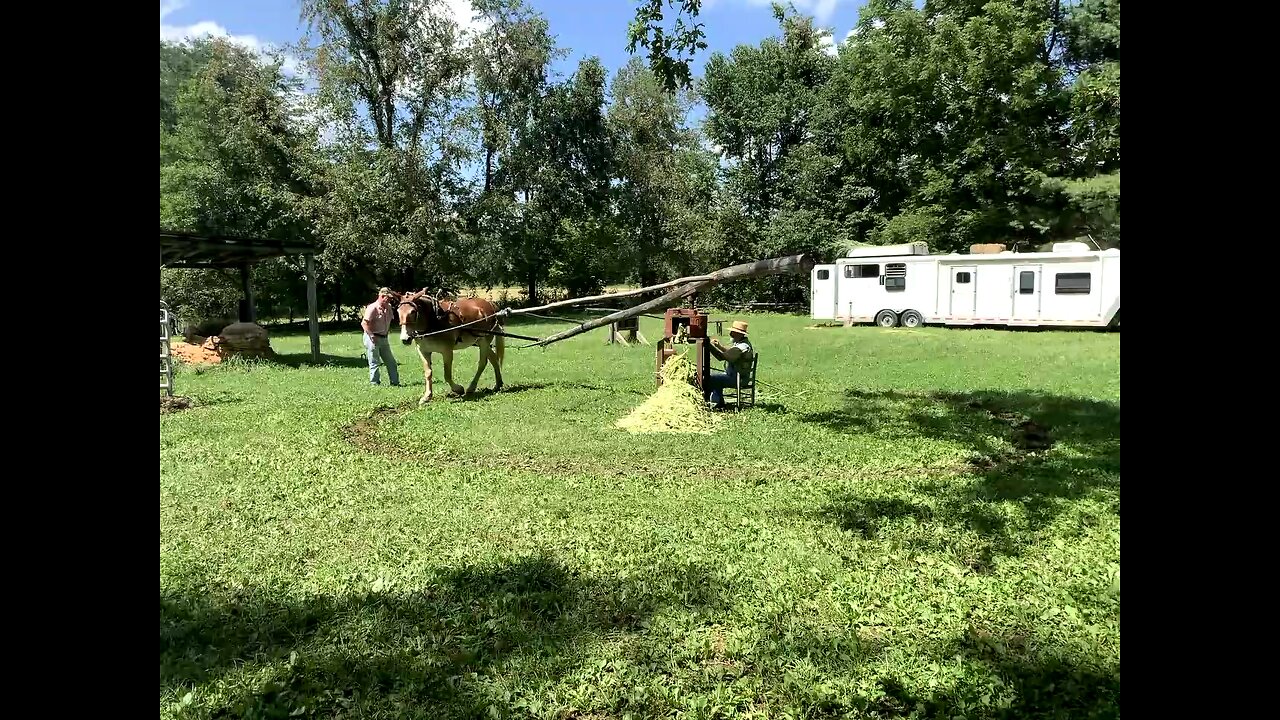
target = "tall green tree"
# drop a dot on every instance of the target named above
(657, 173)
(670, 50)
(179, 62)
(763, 102)
(561, 170)
(238, 160)
(1093, 59)
(953, 120)
(392, 78)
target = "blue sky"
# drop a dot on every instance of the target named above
(585, 27)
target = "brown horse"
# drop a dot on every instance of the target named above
(421, 313)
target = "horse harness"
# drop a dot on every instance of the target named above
(437, 310)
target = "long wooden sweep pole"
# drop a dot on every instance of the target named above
(790, 265)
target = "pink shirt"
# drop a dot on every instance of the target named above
(379, 318)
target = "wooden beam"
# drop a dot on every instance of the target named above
(611, 296)
(790, 265)
(313, 323)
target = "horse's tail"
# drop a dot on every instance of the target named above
(500, 348)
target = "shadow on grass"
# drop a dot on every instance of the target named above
(1005, 679)
(484, 392)
(1036, 452)
(301, 360)
(437, 650)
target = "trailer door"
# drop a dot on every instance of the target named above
(964, 280)
(1026, 292)
(822, 292)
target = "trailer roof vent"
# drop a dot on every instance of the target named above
(1071, 247)
(915, 248)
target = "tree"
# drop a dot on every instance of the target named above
(954, 118)
(238, 161)
(762, 105)
(179, 62)
(509, 64)
(669, 53)
(1093, 57)
(392, 77)
(656, 173)
(562, 168)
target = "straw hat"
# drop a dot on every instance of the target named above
(739, 327)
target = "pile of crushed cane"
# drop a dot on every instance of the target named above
(237, 339)
(677, 406)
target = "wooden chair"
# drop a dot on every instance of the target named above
(748, 388)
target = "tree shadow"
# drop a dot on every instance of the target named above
(1006, 677)
(1034, 451)
(771, 408)
(482, 393)
(430, 651)
(301, 360)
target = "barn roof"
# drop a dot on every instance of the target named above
(179, 248)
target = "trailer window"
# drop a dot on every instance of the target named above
(861, 271)
(824, 274)
(1026, 282)
(963, 278)
(895, 276)
(1072, 283)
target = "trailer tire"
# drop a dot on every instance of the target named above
(911, 319)
(887, 319)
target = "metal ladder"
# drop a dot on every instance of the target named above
(166, 359)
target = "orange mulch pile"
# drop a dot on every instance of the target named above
(206, 353)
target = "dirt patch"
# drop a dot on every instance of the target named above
(174, 404)
(363, 432)
(1028, 435)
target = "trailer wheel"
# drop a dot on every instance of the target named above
(911, 319)
(887, 319)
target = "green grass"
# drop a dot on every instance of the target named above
(868, 542)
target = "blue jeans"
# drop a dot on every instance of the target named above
(381, 348)
(716, 383)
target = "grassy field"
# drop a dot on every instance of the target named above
(879, 538)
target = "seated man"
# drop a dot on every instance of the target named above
(737, 358)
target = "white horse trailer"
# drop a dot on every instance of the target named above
(1071, 286)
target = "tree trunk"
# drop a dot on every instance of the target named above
(488, 168)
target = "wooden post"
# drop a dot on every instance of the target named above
(313, 309)
(250, 311)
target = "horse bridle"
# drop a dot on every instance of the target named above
(434, 307)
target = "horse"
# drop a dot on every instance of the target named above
(419, 312)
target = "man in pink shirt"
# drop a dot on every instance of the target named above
(376, 324)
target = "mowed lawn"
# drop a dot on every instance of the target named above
(883, 536)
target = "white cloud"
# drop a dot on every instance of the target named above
(828, 45)
(291, 66)
(464, 13)
(821, 10)
(208, 28)
(170, 6)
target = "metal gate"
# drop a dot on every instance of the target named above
(166, 359)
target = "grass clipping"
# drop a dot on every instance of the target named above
(677, 406)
